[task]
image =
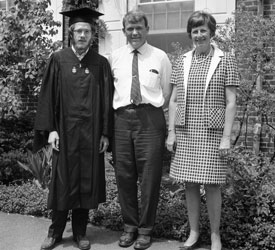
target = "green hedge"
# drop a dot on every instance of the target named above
(16, 133)
(248, 214)
(26, 199)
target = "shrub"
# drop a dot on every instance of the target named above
(249, 202)
(23, 199)
(252, 41)
(15, 138)
(16, 132)
(39, 165)
(248, 214)
(9, 170)
(108, 213)
(25, 45)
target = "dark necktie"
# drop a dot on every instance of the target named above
(135, 89)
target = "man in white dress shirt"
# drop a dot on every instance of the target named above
(142, 88)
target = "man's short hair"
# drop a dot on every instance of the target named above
(135, 16)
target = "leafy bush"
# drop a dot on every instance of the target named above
(16, 132)
(9, 170)
(251, 38)
(248, 214)
(108, 213)
(15, 139)
(39, 165)
(23, 199)
(249, 202)
(25, 45)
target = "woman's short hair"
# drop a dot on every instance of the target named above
(134, 16)
(199, 18)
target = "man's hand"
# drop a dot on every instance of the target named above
(54, 140)
(104, 144)
(171, 141)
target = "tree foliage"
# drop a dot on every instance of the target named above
(25, 45)
(251, 38)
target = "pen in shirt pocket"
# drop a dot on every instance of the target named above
(154, 71)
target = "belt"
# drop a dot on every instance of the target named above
(133, 106)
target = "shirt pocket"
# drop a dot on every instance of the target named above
(151, 80)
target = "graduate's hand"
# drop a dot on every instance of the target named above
(54, 140)
(104, 144)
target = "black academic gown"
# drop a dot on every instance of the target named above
(76, 101)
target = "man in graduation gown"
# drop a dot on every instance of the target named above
(74, 115)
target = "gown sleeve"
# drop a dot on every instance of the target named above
(107, 97)
(47, 110)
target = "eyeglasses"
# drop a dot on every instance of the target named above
(80, 32)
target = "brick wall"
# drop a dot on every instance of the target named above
(27, 101)
(266, 140)
(269, 7)
(251, 5)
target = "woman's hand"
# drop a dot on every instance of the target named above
(171, 141)
(225, 146)
(54, 140)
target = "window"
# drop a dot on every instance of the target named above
(6, 4)
(167, 20)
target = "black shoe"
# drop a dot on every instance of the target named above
(127, 239)
(83, 242)
(49, 243)
(192, 247)
(143, 242)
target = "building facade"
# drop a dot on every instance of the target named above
(167, 20)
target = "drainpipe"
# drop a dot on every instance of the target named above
(259, 82)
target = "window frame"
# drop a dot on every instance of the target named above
(7, 4)
(161, 38)
(152, 16)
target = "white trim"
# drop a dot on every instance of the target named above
(214, 63)
(165, 1)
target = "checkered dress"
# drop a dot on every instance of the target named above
(197, 157)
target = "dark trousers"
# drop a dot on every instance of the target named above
(138, 149)
(59, 219)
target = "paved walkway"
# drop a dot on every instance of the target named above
(20, 232)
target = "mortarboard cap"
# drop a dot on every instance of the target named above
(85, 14)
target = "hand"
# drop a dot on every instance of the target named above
(224, 146)
(54, 140)
(103, 144)
(171, 141)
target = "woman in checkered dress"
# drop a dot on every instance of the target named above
(201, 114)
